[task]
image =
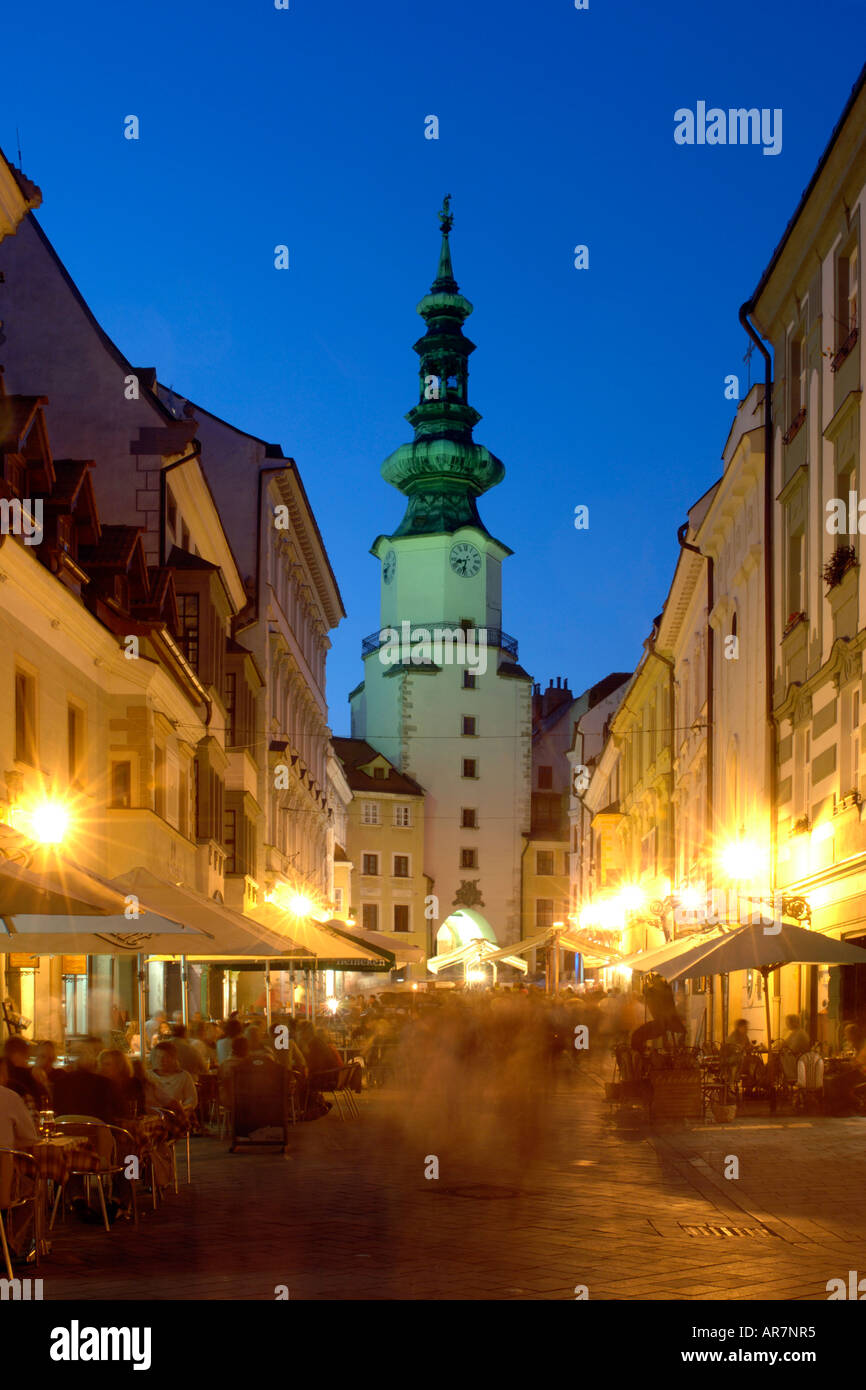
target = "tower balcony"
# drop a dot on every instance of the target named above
(495, 637)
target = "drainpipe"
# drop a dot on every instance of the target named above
(769, 601)
(711, 729)
(666, 661)
(710, 678)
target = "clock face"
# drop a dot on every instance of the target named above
(389, 567)
(465, 560)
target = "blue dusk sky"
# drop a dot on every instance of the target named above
(305, 127)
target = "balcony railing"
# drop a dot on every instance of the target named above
(492, 636)
(845, 350)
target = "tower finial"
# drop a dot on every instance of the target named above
(443, 471)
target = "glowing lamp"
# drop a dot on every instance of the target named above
(49, 823)
(743, 860)
(631, 898)
(690, 899)
(300, 905)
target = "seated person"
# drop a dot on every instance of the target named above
(240, 1053)
(320, 1053)
(839, 1090)
(286, 1050)
(45, 1068)
(188, 1056)
(852, 1040)
(258, 1047)
(128, 1098)
(17, 1131)
(198, 1040)
(170, 1076)
(796, 1039)
(80, 1089)
(232, 1029)
(738, 1051)
(21, 1079)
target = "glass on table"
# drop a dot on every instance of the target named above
(46, 1122)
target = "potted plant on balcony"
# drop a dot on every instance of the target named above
(793, 620)
(843, 559)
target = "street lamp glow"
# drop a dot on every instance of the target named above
(691, 899)
(300, 905)
(49, 823)
(332, 1005)
(743, 859)
(476, 977)
(631, 898)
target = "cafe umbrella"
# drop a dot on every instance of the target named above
(764, 948)
(55, 908)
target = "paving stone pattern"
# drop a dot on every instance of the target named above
(584, 1196)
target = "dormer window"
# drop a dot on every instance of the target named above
(380, 772)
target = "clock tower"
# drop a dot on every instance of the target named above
(443, 696)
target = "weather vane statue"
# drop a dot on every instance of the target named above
(446, 217)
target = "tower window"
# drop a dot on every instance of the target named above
(545, 778)
(469, 818)
(469, 725)
(469, 680)
(469, 858)
(470, 767)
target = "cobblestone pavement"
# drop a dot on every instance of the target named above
(526, 1206)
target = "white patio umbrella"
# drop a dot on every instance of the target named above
(56, 888)
(645, 961)
(56, 934)
(764, 948)
(403, 953)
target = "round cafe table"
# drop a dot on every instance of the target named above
(55, 1157)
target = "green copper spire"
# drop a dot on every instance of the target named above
(443, 470)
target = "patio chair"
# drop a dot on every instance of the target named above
(260, 1100)
(113, 1154)
(10, 1198)
(171, 1118)
(337, 1083)
(809, 1089)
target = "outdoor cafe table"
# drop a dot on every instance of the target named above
(55, 1157)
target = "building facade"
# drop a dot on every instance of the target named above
(808, 308)
(385, 845)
